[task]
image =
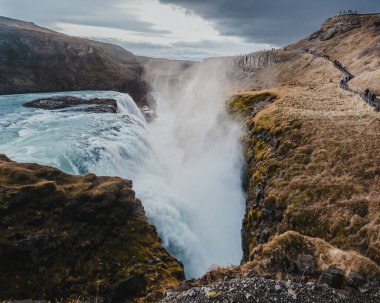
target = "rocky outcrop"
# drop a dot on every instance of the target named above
(96, 105)
(312, 259)
(35, 59)
(290, 268)
(67, 236)
(251, 288)
(337, 26)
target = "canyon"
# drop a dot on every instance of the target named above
(309, 169)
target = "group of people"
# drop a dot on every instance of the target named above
(368, 96)
(343, 69)
(349, 12)
(344, 82)
(313, 52)
(316, 54)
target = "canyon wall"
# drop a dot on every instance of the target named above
(35, 59)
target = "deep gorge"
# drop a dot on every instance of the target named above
(185, 166)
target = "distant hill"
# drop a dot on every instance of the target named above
(36, 59)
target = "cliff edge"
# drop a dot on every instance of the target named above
(64, 236)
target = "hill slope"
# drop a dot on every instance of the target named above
(35, 59)
(318, 167)
(312, 155)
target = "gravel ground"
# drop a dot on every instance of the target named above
(262, 290)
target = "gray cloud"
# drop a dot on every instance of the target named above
(82, 12)
(177, 50)
(271, 21)
(276, 22)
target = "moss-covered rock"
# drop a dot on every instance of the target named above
(292, 254)
(66, 236)
(307, 177)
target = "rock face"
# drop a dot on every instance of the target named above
(337, 26)
(97, 105)
(292, 255)
(66, 236)
(35, 59)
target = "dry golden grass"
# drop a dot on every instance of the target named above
(285, 248)
(321, 171)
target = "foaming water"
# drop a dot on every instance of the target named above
(186, 172)
(76, 142)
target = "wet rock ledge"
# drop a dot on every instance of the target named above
(96, 105)
(64, 236)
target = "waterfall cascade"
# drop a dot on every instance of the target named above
(193, 197)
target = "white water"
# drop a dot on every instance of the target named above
(185, 166)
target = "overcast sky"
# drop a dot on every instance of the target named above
(191, 29)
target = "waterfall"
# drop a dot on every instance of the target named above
(191, 191)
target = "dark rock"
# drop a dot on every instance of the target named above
(185, 285)
(244, 289)
(306, 264)
(262, 236)
(97, 105)
(333, 277)
(134, 285)
(355, 280)
(4, 158)
(148, 113)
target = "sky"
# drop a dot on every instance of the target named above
(185, 29)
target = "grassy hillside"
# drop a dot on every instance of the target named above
(313, 156)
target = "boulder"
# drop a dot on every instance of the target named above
(96, 105)
(356, 280)
(333, 277)
(306, 264)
